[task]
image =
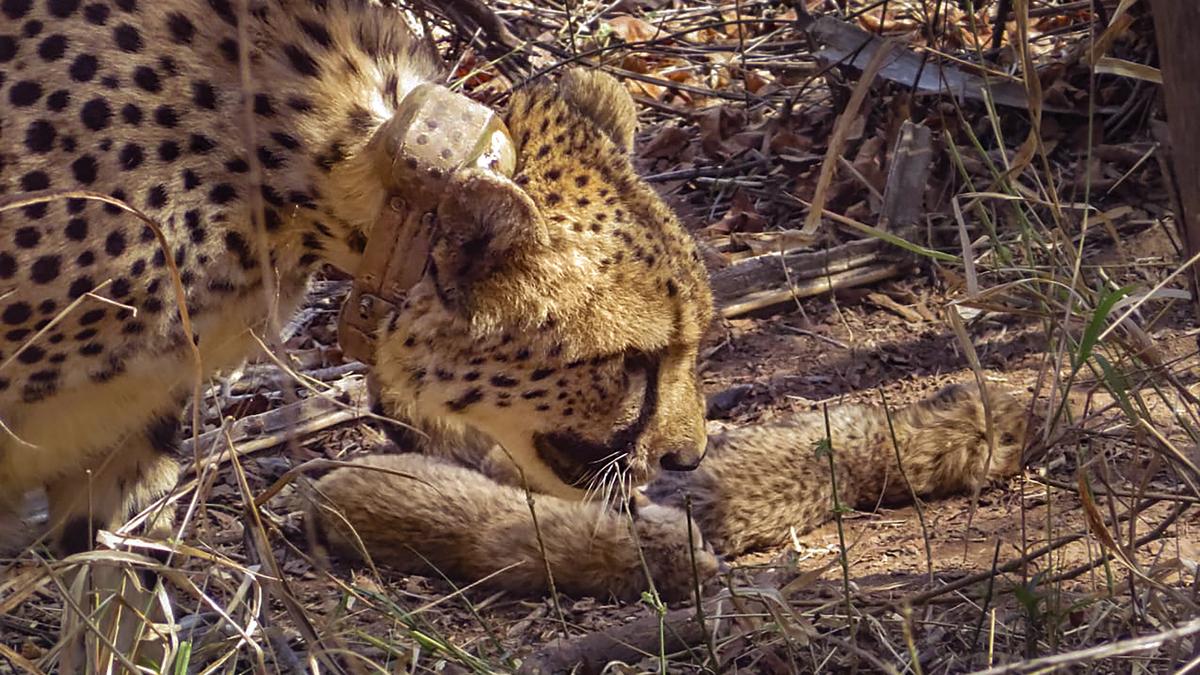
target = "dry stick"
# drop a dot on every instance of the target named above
(715, 171)
(640, 639)
(916, 499)
(906, 628)
(766, 270)
(19, 661)
(1174, 32)
(88, 624)
(629, 642)
(848, 279)
(987, 596)
(1160, 496)
(741, 50)
(651, 597)
(826, 447)
(566, 59)
(290, 421)
(488, 629)
(487, 20)
(1002, 12)
(1051, 663)
(709, 638)
(256, 533)
(861, 653)
(647, 45)
(537, 530)
(1141, 541)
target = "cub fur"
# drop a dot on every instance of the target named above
(432, 517)
(759, 481)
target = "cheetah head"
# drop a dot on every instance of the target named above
(562, 310)
(953, 427)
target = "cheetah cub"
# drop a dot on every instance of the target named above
(758, 482)
(754, 485)
(430, 516)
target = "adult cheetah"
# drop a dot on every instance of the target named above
(572, 340)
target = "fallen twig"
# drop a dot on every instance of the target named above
(1103, 651)
(259, 432)
(630, 642)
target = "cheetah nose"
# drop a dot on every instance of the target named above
(682, 460)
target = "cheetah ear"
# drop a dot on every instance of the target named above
(487, 227)
(602, 98)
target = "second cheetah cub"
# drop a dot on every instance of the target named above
(428, 516)
(757, 482)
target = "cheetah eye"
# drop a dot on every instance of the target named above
(1008, 439)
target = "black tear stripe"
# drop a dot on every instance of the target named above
(575, 459)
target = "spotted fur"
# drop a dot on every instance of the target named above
(574, 342)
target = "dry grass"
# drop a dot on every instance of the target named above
(1103, 573)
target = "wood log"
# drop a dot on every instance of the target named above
(904, 194)
(774, 278)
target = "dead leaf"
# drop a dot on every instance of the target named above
(717, 125)
(668, 143)
(1137, 71)
(633, 29)
(741, 216)
(786, 142)
(755, 81)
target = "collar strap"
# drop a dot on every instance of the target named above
(434, 133)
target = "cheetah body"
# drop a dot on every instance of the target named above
(142, 102)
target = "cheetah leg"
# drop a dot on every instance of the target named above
(116, 601)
